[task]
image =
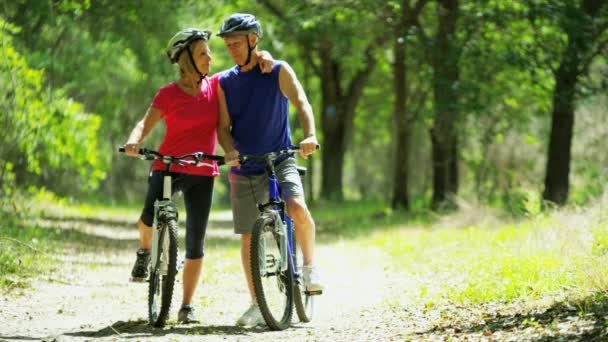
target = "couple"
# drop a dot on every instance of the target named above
(246, 109)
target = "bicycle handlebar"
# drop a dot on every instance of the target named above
(271, 156)
(192, 158)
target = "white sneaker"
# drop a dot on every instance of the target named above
(312, 279)
(252, 317)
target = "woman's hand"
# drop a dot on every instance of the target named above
(232, 158)
(265, 61)
(132, 149)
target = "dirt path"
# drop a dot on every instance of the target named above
(89, 297)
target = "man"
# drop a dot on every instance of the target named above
(254, 110)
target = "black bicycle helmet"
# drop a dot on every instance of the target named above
(240, 24)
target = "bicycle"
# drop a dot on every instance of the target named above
(276, 262)
(163, 253)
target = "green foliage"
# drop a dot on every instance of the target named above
(46, 135)
(70, 58)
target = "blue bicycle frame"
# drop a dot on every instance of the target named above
(274, 195)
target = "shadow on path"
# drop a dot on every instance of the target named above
(141, 329)
(581, 320)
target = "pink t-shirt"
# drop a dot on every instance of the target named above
(191, 124)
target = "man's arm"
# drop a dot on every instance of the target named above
(142, 129)
(223, 130)
(292, 89)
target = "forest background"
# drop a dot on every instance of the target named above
(418, 104)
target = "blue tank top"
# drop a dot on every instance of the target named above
(259, 113)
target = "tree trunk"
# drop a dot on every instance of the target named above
(444, 137)
(582, 35)
(562, 126)
(337, 115)
(332, 121)
(402, 124)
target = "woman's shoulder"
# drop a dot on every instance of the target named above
(215, 78)
(169, 87)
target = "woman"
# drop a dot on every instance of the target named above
(189, 107)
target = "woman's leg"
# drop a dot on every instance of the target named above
(197, 198)
(192, 273)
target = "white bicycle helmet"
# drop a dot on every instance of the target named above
(182, 39)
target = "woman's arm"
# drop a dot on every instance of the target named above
(141, 130)
(224, 136)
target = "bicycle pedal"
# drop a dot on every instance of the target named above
(138, 280)
(313, 293)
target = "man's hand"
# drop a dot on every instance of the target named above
(232, 158)
(265, 62)
(308, 146)
(132, 149)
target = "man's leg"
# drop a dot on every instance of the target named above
(304, 227)
(246, 260)
(245, 193)
(293, 191)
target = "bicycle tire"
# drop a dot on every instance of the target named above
(303, 303)
(274, 296)
(160, 292)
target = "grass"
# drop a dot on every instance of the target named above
(560, 255)
(352, 219)
(22, 254)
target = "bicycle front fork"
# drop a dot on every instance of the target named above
(164, 212)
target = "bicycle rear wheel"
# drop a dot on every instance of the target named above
(162, 277)
(303, 302)
(273, 286)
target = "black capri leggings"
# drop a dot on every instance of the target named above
(198, 193)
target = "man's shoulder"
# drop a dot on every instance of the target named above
(228, 73)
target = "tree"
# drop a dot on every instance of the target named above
(444, 51)
(324, 36)
(584, 24)
(403, 117)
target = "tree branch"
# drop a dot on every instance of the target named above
(307, 57)
(416, 11)
(273, 8)
(357, 84)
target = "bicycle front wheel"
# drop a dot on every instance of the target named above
(303, 302)
(271, 273)
(162, 277)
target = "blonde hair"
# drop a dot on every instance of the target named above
(186, 68)
(184, 62)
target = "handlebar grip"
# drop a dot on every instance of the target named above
(141, 151)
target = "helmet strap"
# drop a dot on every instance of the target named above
(194, 65)
(249, 49)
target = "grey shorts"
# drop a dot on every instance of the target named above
(247, 191)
